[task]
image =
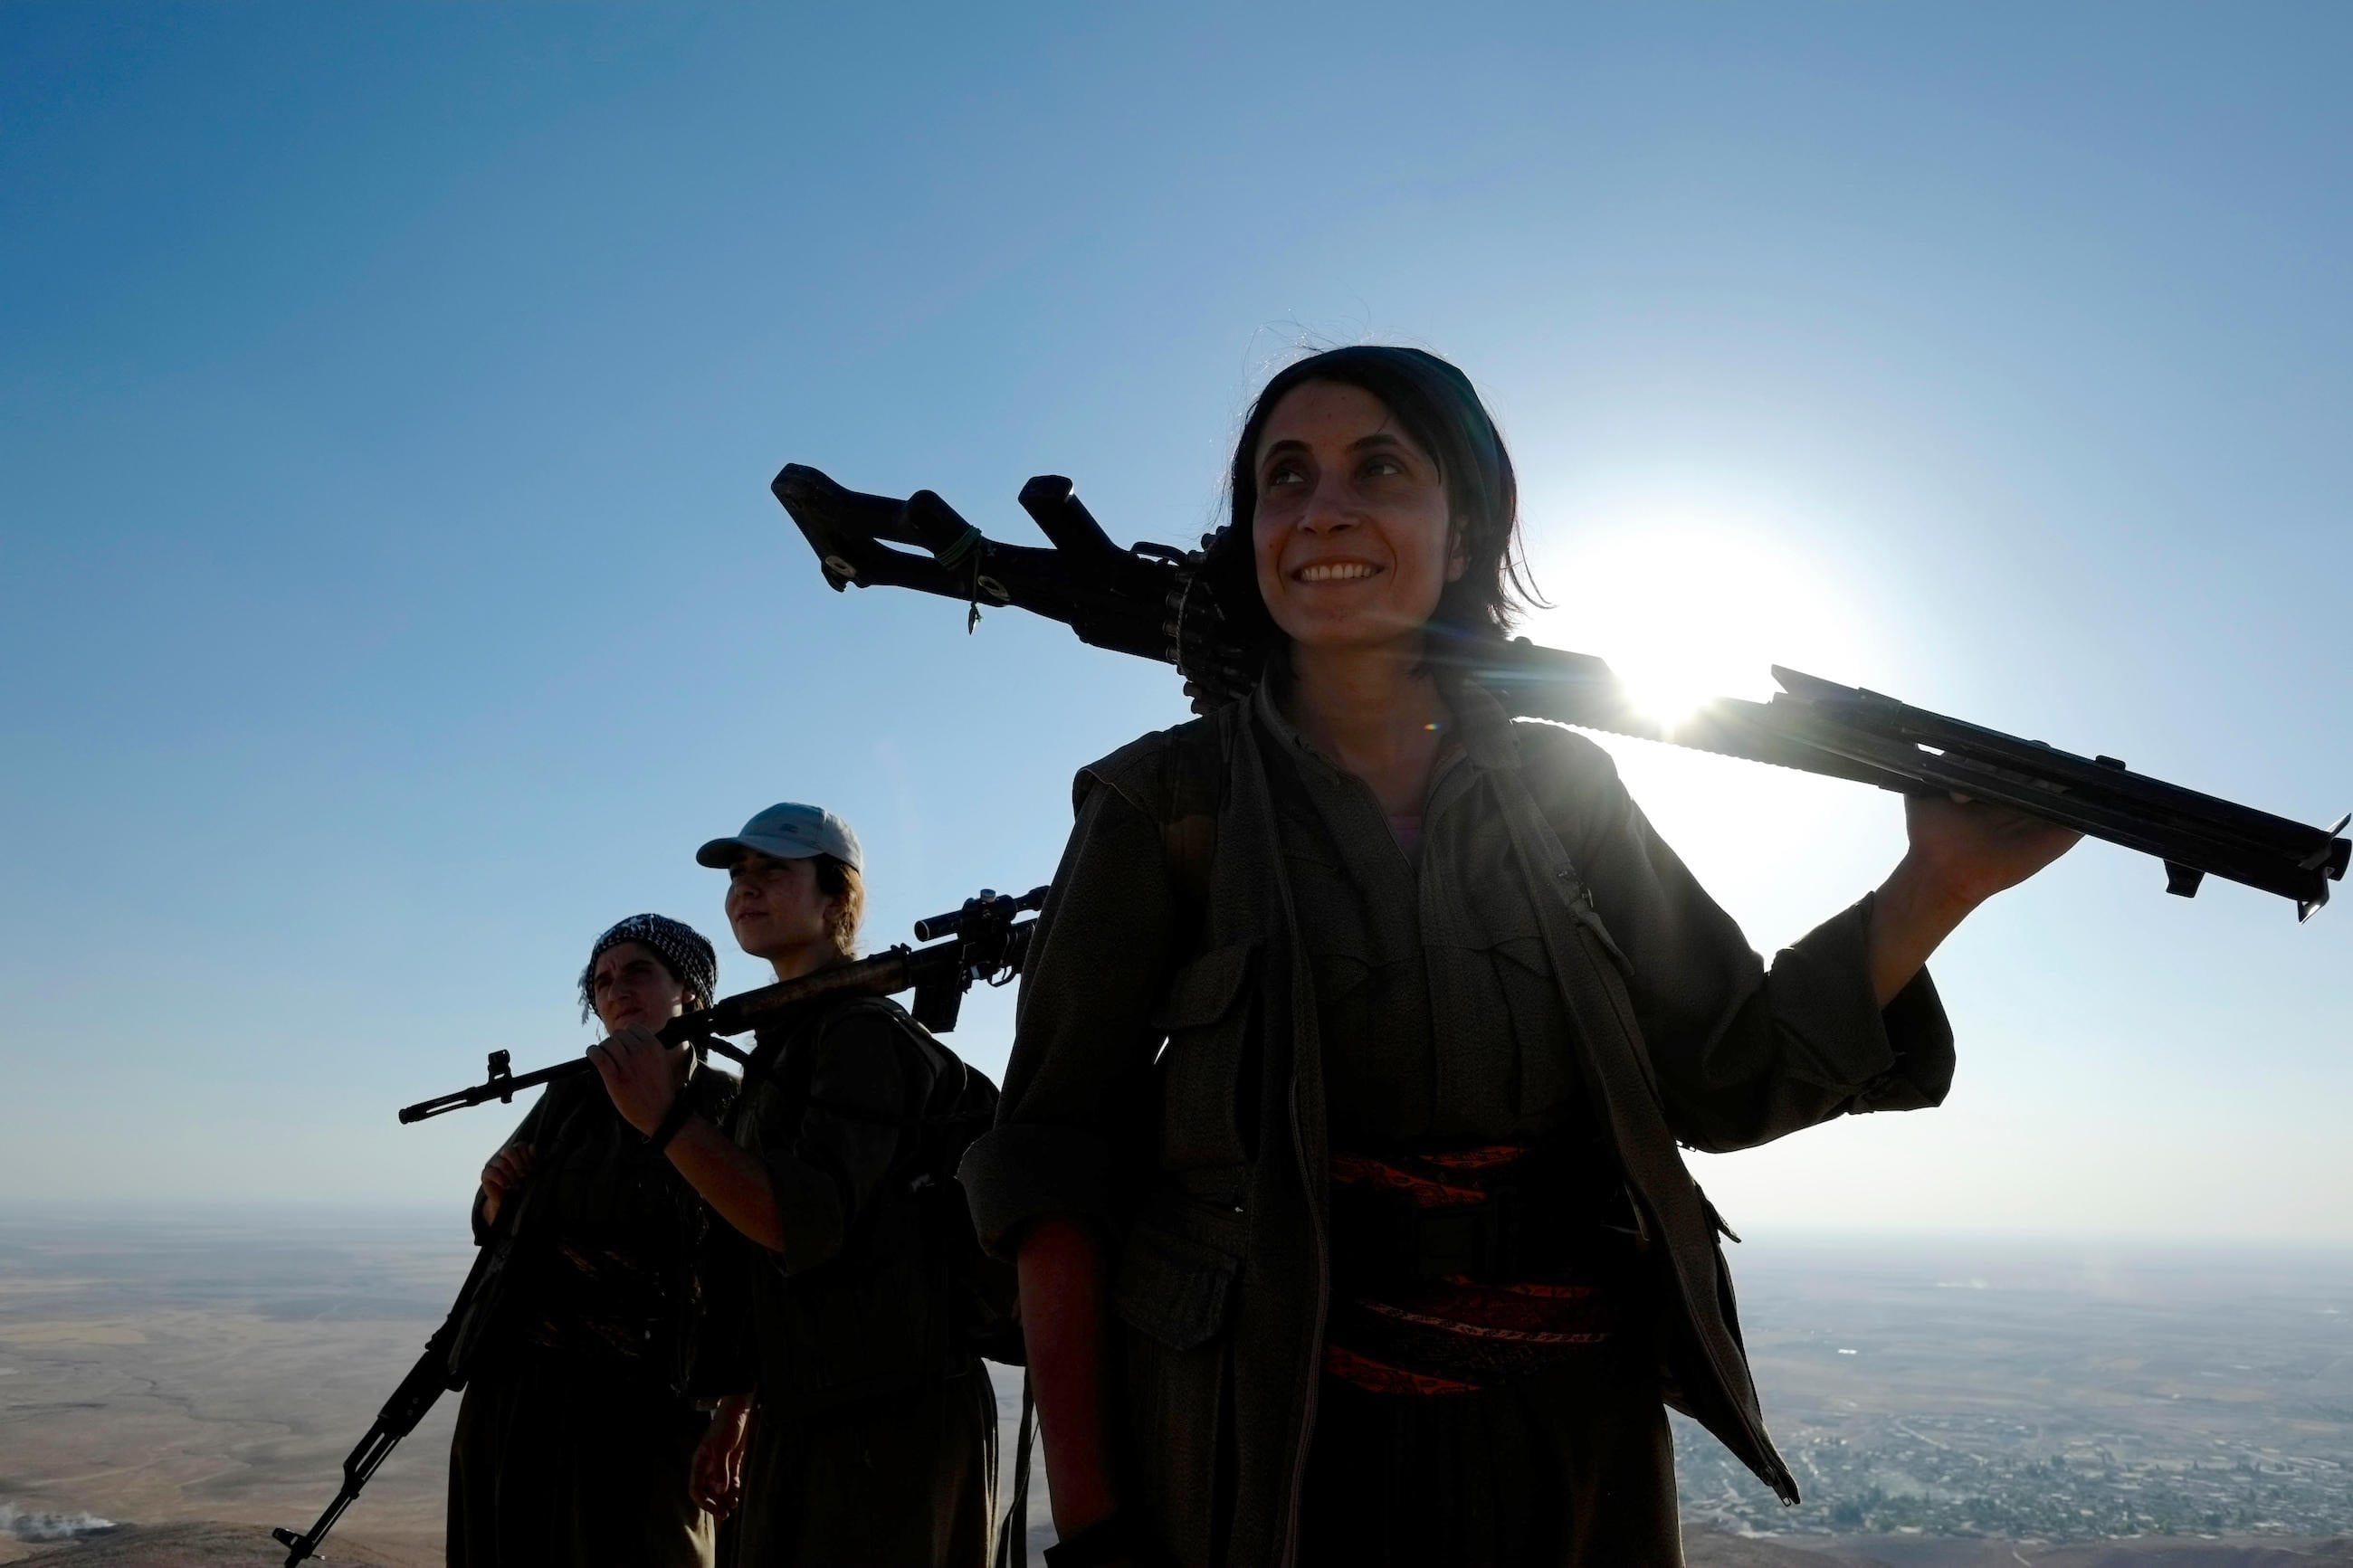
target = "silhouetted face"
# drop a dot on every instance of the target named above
(1352, 535)
(630, 985)
(775, 906)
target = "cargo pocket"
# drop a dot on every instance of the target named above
(1206, 1018)
(1173, 1297)
(1174, 1289)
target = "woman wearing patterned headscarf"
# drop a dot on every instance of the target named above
(577, 1434)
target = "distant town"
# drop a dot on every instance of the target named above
(1988, 1475)
(2043, 1393)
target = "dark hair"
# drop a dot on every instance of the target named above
(1440, 410)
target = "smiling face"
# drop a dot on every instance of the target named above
(775, 907)
(630, 985)
(1352, 534)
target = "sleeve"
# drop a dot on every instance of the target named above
(1076, 1090)
(826, 1157)
(1744, 1053)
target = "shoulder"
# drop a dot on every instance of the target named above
(873, 1036)
(712, 1090)
(1571, 777)
(1551, 749)
(562, 1107)
(1163, 775)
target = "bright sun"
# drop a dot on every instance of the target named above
(1687, 608)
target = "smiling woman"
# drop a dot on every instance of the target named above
(1338, 1150)
(1351, 538)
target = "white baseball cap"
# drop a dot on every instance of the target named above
(790, 831)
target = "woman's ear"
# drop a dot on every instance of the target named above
(1458, 552)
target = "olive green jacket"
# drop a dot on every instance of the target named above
(1205, 1157)
(852, 1307)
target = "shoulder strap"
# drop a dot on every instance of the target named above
(1176, 778)
(793, 1063)
(1194, 788)
(1013, 1530)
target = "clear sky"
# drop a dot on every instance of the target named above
(393, 597)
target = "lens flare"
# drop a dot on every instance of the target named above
(1686, 609)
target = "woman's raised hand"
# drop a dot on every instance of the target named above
(1968, 851)
(508, 1169)
(637, 1073)
(1962, 854)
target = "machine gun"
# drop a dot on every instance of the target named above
(1153, 600)
(982, 941)
(985, 942)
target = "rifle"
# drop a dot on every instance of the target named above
(985, 942)
(1153, 601)
(446, 1364)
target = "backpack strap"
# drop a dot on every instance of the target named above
(1013, 1530)
(792, 1062)
(1177, 779)
(1193, 791)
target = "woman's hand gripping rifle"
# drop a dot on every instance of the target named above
(1151, 600)
(983, 941)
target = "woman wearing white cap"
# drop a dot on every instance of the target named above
(875, 1435)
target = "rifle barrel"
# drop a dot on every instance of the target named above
(898, 968)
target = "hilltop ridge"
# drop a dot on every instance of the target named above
(212, 1543)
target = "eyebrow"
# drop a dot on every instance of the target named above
(1361, 443)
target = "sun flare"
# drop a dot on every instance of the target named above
(1686, 609)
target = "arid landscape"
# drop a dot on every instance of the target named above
(172, 1385)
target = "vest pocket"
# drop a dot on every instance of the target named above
(1205, 989)
(1207, 1016)
(1176, 1291)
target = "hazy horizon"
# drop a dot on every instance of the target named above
(449, 1215)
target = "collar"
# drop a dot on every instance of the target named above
(1482, 727)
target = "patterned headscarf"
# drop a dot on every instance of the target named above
(680, 946)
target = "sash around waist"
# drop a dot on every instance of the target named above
(1501, 1214)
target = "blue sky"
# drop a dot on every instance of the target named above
(394, 598)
